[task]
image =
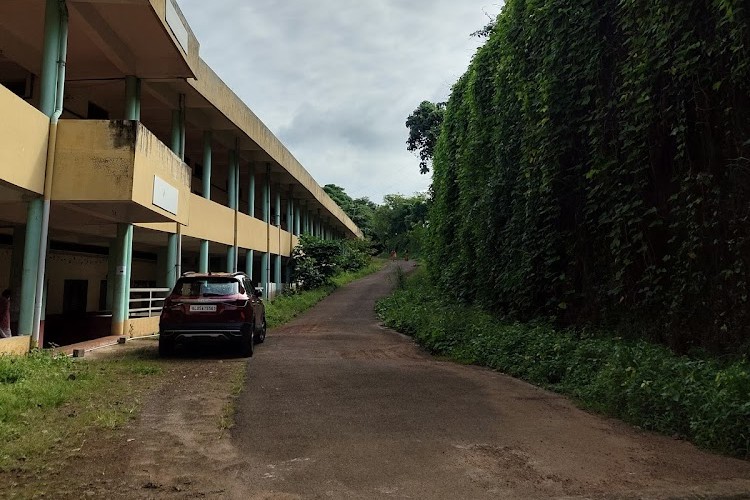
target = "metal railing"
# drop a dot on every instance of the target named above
(147, 302)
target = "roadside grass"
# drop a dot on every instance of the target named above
(286, 307)
(702, 399)
(239, 377)
(48, 403)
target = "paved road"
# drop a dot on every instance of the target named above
(338, 407)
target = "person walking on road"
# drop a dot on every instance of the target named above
(5, 314)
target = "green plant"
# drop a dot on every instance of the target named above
(593, 169)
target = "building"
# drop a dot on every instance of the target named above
(124, 161)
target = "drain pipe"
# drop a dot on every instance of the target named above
(49, 172)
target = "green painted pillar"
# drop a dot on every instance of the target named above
(277, 272)
(277, 209)
(50, 53)
(232, 181)
(32, 240)
(111, 270)
(121, 296)
(232, 202)
(30, 266)
(251, 194)
(249, 256)
(132, 98)
(267, 198)
(171, 261)
(264, 270)
(207, 163)
(230, 258)
(203, 258)
(297, 209)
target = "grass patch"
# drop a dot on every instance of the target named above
(286, 307)
(49, 403)
(239, 377)
(701, 399)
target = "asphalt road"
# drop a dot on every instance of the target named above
(336, 406)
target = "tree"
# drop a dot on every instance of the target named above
(400, 223)
(424, 126)
(359, 210)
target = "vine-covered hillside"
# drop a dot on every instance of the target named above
(594, 167)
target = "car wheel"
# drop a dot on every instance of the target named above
(246, 343)
(260, 337)
(166, 347)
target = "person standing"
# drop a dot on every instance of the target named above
(5, 314)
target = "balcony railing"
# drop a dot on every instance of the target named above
(147, 302)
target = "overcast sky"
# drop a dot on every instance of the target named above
(335, 80)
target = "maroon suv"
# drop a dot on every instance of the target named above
(216, 307)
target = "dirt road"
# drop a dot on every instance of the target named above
(335, 406)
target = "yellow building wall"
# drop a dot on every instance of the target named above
(117, 161)
(251, 233)
(93, 268)
(142, 327)
(210, 221)
(93, 161)
(152, 158)
(15, 345)
(24, 132)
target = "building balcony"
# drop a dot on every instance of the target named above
(117, 171)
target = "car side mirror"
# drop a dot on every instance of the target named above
(258, 292)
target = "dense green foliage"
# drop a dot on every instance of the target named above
(400, 224)
(642, 383)
(593, 168)
(359, 210)
(316, 261)
(424, 129)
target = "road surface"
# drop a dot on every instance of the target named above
(336, 406)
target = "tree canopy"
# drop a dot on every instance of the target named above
(424, 129)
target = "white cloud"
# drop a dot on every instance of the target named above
(335, 79)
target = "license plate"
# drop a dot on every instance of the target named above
(202, 308)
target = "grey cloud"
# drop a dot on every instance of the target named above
(336, 79)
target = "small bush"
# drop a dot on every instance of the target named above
(647, 385)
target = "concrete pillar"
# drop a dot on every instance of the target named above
(232, 202)
(251, 193)
(297, 209)
(171, 270)
(265, 264)
(207, 168)
(174, 241)
(249, 256)
(132, 98)
(120, 302)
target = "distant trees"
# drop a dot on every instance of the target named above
(399, 223)
(424, 129)
(359, 210)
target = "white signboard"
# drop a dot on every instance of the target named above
(166, 196)
(177, 26)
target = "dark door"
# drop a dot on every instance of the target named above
(75, 295)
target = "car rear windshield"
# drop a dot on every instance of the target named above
(206, 287)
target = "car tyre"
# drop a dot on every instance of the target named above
(260, 337)
(246, 343)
